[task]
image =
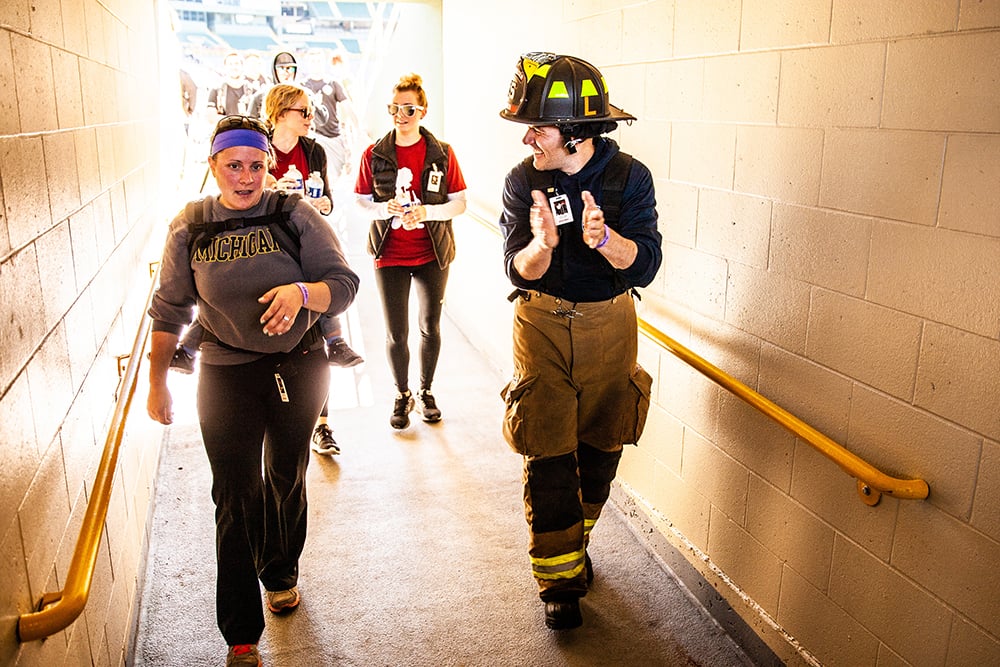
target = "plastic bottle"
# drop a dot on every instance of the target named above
(314, 186)
(296, 176)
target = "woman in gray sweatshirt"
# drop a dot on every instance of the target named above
(260, 267)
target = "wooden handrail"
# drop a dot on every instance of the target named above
(56, 611)
(872, 482)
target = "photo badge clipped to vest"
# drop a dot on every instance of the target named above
(434, 179)
(560, 209)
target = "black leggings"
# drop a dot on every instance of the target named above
(393, 282)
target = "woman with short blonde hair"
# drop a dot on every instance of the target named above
(290, 113)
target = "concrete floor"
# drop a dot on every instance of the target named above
(417, 548)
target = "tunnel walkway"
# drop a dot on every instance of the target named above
(417, 547)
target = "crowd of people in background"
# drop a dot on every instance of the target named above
(239, 85)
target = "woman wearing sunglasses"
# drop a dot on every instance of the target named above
(411, 186)
(290, 115)
(259, 281)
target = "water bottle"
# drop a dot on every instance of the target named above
(295, 175)
(314, 186)
(413, 201)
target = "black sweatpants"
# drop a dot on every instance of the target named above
(258, 447)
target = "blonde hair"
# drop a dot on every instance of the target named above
(412, 82)
(280, 99)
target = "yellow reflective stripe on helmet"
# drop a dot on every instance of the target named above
(558, 90)
(532, 68)
(566, 566)
(587, 92)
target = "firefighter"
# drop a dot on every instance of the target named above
(580, 234)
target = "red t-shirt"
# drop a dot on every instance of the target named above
(408, 247)
(296, 156)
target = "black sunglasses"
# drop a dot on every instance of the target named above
(307, 112)
(240, 123)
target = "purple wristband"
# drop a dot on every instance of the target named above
(305, 292)
(604, 241)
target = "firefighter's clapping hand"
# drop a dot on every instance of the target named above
(593, 221)
(543, 223)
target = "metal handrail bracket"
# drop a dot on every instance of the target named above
(57, 610)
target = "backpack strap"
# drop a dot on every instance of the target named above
(281, 223)
(613, 185)
(277, 217)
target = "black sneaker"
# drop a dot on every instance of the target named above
(340, 354)
(427, 407)
(182, 362)
(323, 442)
(401, 411)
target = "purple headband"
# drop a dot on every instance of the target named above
(239, 137)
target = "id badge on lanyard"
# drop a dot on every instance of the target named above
(560, 209)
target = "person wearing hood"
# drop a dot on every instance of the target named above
(284, 69)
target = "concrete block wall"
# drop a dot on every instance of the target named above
(80, 183)
(827, 180)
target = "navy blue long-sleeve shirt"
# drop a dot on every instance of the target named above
(577, 272)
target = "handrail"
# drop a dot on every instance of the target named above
(872, 482)
(56, 611)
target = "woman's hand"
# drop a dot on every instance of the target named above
(284, 301)
(160, 404)
(395, 208)
(287, 184)
(414, 216)
(321, 204)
